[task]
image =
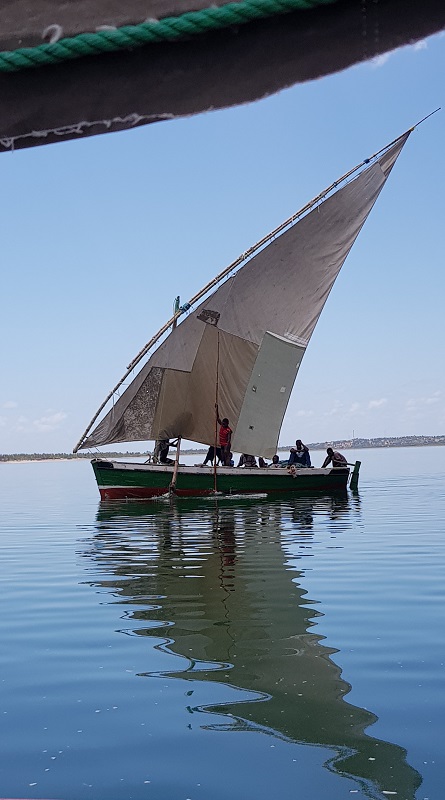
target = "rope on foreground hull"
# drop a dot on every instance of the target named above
(152, 31)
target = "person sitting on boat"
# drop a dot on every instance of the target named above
(211, 456)
(299, 455)
(337, 459)
(275, 462)
(262, 463)
(225, 439)
(247, 461)
(160, 454)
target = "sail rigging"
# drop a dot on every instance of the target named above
(259, 320)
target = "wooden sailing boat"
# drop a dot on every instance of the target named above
(240, 350)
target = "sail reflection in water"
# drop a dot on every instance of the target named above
(218, 579)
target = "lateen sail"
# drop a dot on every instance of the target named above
(249, 336)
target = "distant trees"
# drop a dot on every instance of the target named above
(64, 456)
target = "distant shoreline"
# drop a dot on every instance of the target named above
(343, 444)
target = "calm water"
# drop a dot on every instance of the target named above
(224, 649)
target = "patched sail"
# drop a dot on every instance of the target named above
(244, 343)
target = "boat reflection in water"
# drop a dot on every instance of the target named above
(218, 579)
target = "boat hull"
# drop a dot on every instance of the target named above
(119, 480)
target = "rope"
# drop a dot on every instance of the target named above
(169, 29)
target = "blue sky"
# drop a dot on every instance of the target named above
(99, 235)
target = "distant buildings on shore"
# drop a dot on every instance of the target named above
(340, 444)
(382, 441)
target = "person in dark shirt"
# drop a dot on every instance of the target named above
(337, 459)
(211, 456)
(299, 455)
(247, 460)
(160, 454)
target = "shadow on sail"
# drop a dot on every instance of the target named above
(216, 581)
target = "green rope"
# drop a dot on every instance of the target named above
(169, 29)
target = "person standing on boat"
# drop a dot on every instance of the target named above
(337, 459)
(225, 439)
(211, 456)
(299, 455)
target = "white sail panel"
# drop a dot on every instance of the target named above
(282, 291)
(267, 396)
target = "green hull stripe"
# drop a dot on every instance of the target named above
(202, 481)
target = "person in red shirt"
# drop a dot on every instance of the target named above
(225, 439)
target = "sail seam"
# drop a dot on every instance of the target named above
(151, 31)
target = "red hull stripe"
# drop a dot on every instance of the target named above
(128, 492)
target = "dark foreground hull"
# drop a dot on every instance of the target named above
(118, 480)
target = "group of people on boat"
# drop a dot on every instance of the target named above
(299, 456)
(223, 452)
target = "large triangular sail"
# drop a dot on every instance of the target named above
(244, 343)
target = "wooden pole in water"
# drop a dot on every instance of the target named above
(175, 468)
(353, 483)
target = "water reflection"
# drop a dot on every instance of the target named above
(218, 580)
